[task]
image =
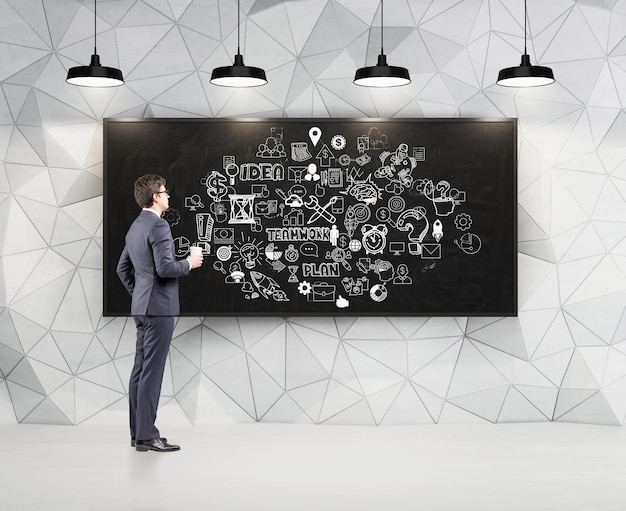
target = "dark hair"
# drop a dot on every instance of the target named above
(145, 187)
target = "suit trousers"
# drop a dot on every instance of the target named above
(154, 334)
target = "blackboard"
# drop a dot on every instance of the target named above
(325, 216)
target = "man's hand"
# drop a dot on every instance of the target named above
(195, 260)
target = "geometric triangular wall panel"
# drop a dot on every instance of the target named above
(562, 359)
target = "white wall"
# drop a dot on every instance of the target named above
(563, 358)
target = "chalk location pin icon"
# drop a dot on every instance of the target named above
(315, 134)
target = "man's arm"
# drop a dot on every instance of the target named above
(162, 249)
(126, 271)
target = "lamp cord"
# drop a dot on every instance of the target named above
(525, 19)
(95, 15)
(381, 28)
(238, 28)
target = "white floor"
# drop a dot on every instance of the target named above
(530, 467)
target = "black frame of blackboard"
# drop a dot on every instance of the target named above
(111, 259)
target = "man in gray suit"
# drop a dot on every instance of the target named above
(149, 271)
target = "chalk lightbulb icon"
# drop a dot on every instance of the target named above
(249, 254)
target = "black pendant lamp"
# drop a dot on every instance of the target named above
(238, 75)
(382, 75)
(525, 75)
(95, 75)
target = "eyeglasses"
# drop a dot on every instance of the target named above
(164, 191)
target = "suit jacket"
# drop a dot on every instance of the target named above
(148, 268)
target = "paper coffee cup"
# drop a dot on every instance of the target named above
(195, 251)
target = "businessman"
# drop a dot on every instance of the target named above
(149, 271)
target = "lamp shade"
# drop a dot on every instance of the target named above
(382, 75)
(525, 75)
(238, 75)
(95, 75)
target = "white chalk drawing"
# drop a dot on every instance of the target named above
(340, 255)
(300, 152)
(304, 287)
(293, 273)
(377, 140)
(216, 187)
(172, 217)
(315, 134)
(378, 293)
(236, 276)
(463, 222)
(311, 233)
(402, 277)
(311, 173)
(278, 133)
(268, 287)
(320, 211)
(261, 172)
(321, 270)
(309, 249)
(295, 173)
(241, 209)
(412, 221)
(312, 215)
(334, 235)
(356, 214)
(181, 246)
(364, 159)
(194, 202)
(342, 303)
(232, 171)
(437, 230)
(248, 252)
(267, 208)
(295, 218)
(374, 238)
(292, 254)
(325, 156)
(430, 266)
(364, 191)
(419, 153)
(204, 226)
(220, 211)
(337, 208)
(228, 160)
(396, 204)
(356, 286)
(272, 253)
(443, 196)
(338, 142)
(355, 245)
(224, 252)
(431, 251)
(397, 248)
(397, 168)
(334, 177)
(223, 236)
(469, 243)
(271, 148)
(322, 292)
(219, 266)
(344, 159)
(362, 144)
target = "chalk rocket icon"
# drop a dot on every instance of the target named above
(437, 230)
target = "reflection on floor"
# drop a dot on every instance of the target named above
(277, 467)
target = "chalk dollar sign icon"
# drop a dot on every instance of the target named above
(216, 186)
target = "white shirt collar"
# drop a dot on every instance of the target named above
(152, 210)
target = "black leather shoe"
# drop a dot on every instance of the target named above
(156, 444)
(132, 441)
